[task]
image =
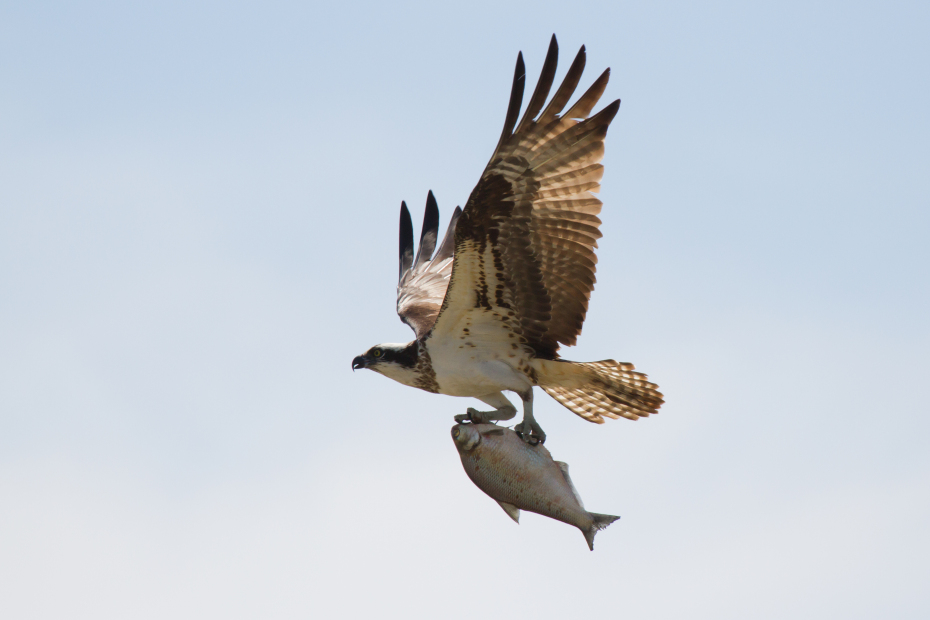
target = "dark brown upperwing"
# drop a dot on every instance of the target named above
(532, 213)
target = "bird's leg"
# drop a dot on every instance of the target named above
(481, 417)
(503, 410)
(531, 432)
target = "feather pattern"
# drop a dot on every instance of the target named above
(424, 280)
(598, 390)
(524, 244)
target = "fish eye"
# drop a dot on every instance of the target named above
(376, 352)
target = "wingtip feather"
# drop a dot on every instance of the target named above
(430, 231)
(447, 247)
(565, 90)
(543, 85)
(589, 99)
(406, 240)
(516, 99)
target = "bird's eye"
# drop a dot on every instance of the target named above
(376, 353)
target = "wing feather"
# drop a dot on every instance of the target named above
(524, 244)
(429, 232)
(423, 281)
(589, 99)
(569, 178)
(406, 241)
(565, 90)
(447, 246)
(516, 99)
(543, 85)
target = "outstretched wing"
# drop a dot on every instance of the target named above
(423, 280)
(524, 246)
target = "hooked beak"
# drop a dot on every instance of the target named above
(359, 362)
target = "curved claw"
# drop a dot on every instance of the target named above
(471, 415)
(534, 435)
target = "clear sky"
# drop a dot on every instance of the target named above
(198, 211)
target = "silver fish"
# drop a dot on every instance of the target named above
(518, 475)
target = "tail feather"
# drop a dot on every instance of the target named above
(595, 390)
(600, 522)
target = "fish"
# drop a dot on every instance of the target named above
(520, 476)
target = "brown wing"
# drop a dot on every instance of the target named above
(524, 246)
(423, 280)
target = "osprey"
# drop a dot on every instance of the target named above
(511, 279)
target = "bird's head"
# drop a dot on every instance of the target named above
(392, 360)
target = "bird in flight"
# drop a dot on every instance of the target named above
(512, 277)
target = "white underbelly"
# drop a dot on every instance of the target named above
(474, 372)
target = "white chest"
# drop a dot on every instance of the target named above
(464, 370)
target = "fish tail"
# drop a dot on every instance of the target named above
(600, 522)
(595, 390)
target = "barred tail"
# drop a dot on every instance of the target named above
(594, 390)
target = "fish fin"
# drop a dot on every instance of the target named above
(564, 467)
(493, 431)
(511, 510)
(600, 522)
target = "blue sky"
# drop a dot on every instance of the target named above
(199, 206)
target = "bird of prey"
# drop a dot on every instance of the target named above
(512, 277)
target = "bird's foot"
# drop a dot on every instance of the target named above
(531, 432)
(471, 415)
